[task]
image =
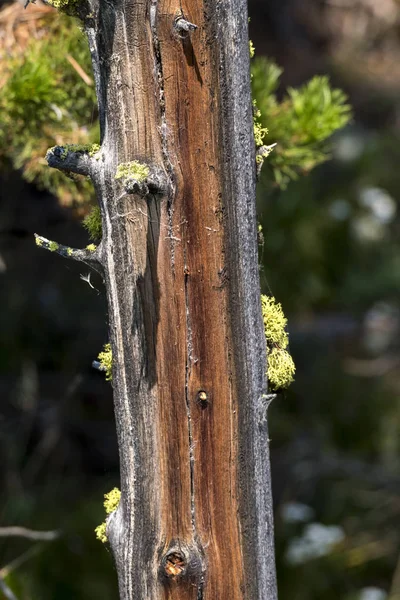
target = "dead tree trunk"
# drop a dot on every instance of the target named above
(179, 257)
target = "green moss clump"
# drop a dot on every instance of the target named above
(53, 246)
(92, 223)
(105, 359)
(111, 502)
(281, 367)
(132, 170)
(91, 247)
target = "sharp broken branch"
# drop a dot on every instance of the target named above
(72, 159)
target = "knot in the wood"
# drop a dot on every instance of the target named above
(174, 564)
(202, 398)
(181, 562)
(133, 186)
(155, 182)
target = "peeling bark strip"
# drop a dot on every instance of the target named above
(180, 267)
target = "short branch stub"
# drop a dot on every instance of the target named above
(182, 562)
(183, 27)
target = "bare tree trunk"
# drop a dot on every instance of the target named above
(179, 257)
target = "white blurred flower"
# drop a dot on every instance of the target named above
(380, 327)
(340, 209)
(348, 147)
(296, 512)
(380, 203)
(387, 11)
(368, 228)
(372, 593)
(3, 266)
(317, 540)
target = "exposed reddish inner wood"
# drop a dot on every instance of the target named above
(175, 269)
(193, 339)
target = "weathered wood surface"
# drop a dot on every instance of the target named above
(180, 267)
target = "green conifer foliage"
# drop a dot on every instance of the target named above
(301, 124)
(45, 102)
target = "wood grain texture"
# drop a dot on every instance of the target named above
(181, 274)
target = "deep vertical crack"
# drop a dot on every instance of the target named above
(163, 130)
(171, 194)
(163, 127)
(189, 350)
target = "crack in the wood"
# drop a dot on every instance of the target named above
(163, 129)
(94, 52)
(189, 349)
(200, 591)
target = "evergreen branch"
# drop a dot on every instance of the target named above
(73, 158)
(88, 255)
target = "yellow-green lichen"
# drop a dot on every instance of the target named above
(105, 359)
(281, 367)
(260, 236)
(91, 247)
(38, 241)
(263, 152)
(259, 131)
(132, 170)
(111, 502)
(92, 224)
(252, 49)
(53, 246)
(70, 251)
(100, 532)
(94, 149)
(267, 151)
(274, 321)
(68, 6)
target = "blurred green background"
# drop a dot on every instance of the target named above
(329, 252)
